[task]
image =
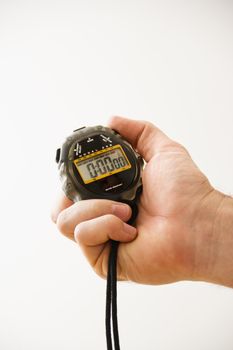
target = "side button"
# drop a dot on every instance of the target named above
(115, 132)
(58, 153)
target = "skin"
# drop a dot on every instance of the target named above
(184, 226)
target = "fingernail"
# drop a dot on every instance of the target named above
(121, 210)
(130, 230)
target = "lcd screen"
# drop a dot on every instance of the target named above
(102, 163)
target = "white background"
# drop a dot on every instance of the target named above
(65, 64)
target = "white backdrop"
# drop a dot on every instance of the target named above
(65, 64)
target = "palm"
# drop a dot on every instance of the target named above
(169, 180)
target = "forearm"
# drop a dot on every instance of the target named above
(216, 252)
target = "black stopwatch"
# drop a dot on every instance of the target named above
(96, 162)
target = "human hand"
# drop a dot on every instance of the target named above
(173, 235)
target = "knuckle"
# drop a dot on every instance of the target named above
(180, 147)
(112, 221)
(78, 232)
(62, 222)
(149, 125)
(99, 206)
(113, 227)
(53, 217)
(92, 204)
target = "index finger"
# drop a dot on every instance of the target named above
(61, 203)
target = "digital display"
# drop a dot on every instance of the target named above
(100, 164)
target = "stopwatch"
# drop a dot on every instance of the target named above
(96, 162)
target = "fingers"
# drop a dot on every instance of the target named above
(101, 229)
(143, 135)
(89, 209)
(61, 203)
(91, 223)
(92, 236)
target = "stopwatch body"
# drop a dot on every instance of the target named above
(96, 162)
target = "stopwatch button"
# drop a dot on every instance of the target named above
(83, 127)
(58, 153)
(115, 132)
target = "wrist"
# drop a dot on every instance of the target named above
(214, 240)
(222, 272)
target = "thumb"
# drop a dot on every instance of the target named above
(142, 135)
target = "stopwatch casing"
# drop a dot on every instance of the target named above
(96, 162)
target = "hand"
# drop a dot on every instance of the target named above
(173, 234)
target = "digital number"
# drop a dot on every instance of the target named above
(122, 161)
(101, 166)
(116, 163)
(109, 164)
(92, 171)
(105, 165)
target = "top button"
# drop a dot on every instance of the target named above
(83, 127)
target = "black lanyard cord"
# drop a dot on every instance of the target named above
(108, 306)
(111, 298)
(111, 291)
(114, 294)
